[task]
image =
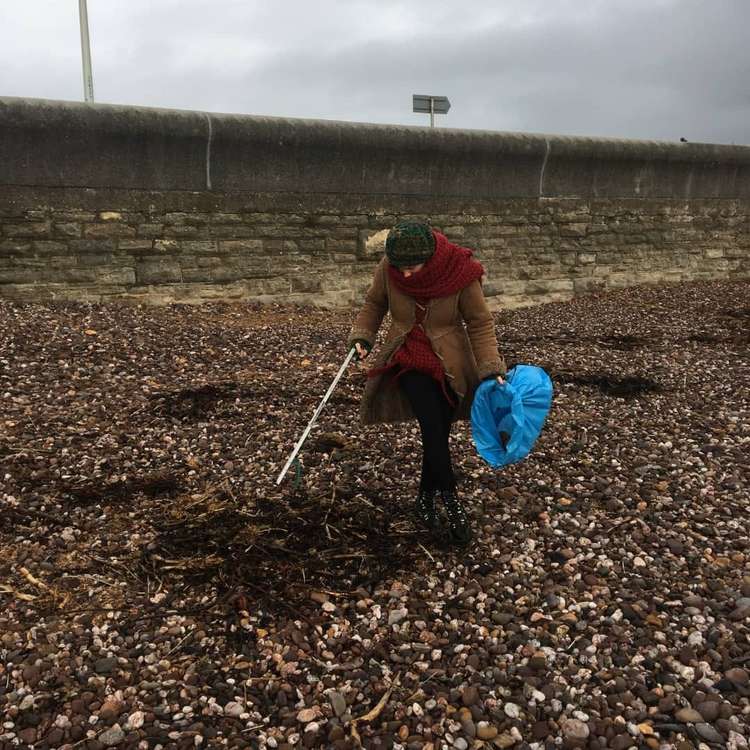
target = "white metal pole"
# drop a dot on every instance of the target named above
(315, 416)
(432, 112)
(88, 80)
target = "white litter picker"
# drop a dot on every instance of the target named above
(315, 416)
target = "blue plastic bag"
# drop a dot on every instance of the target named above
(506, 419)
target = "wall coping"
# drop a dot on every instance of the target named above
(48, 143)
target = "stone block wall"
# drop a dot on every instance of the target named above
(549, 218)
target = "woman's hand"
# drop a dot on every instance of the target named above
(500, 380)
(362, 352)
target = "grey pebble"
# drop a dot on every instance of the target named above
(112, 736)
(105, 666)
(708, 733)
(338, 702)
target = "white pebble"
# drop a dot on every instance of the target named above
(136, 720)
(396, 615)
(512, 710)
(233, 709)
(68, 535)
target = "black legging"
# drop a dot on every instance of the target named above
(433, 413)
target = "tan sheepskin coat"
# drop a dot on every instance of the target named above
(460, 328)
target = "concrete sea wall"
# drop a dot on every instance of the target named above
(100, 202)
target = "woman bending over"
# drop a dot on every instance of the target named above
(440, 345)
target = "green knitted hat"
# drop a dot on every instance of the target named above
(409, 243)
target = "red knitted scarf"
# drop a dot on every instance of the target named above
(449, 269)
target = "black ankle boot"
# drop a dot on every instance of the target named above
(458, 521)
(425, 509)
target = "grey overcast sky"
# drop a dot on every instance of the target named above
(655, 69)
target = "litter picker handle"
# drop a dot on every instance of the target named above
(315, 416)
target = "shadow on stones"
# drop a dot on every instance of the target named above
(736, 329)
(194, 403)
(620, 343)
(627, 387)
(741, 314)
(343, 399)
(150, 485)
(330, 441)
(740, 337)
(705, 338)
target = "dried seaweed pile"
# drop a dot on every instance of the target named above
(280, 549)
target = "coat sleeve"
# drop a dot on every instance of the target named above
(480, 325)
(373, 311)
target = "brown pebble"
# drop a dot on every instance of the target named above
(110, 710)
(77, 733)
(688, 715)
(31, 675)
(470, 695)
(27, 736)
(621, 742)
(55, 737)
(540, 730)
(666, 705)
(737, 675)
(486, 731)
(336, 733)
(709, 710)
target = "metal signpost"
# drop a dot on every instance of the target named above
(88, 80)
(431, 105)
